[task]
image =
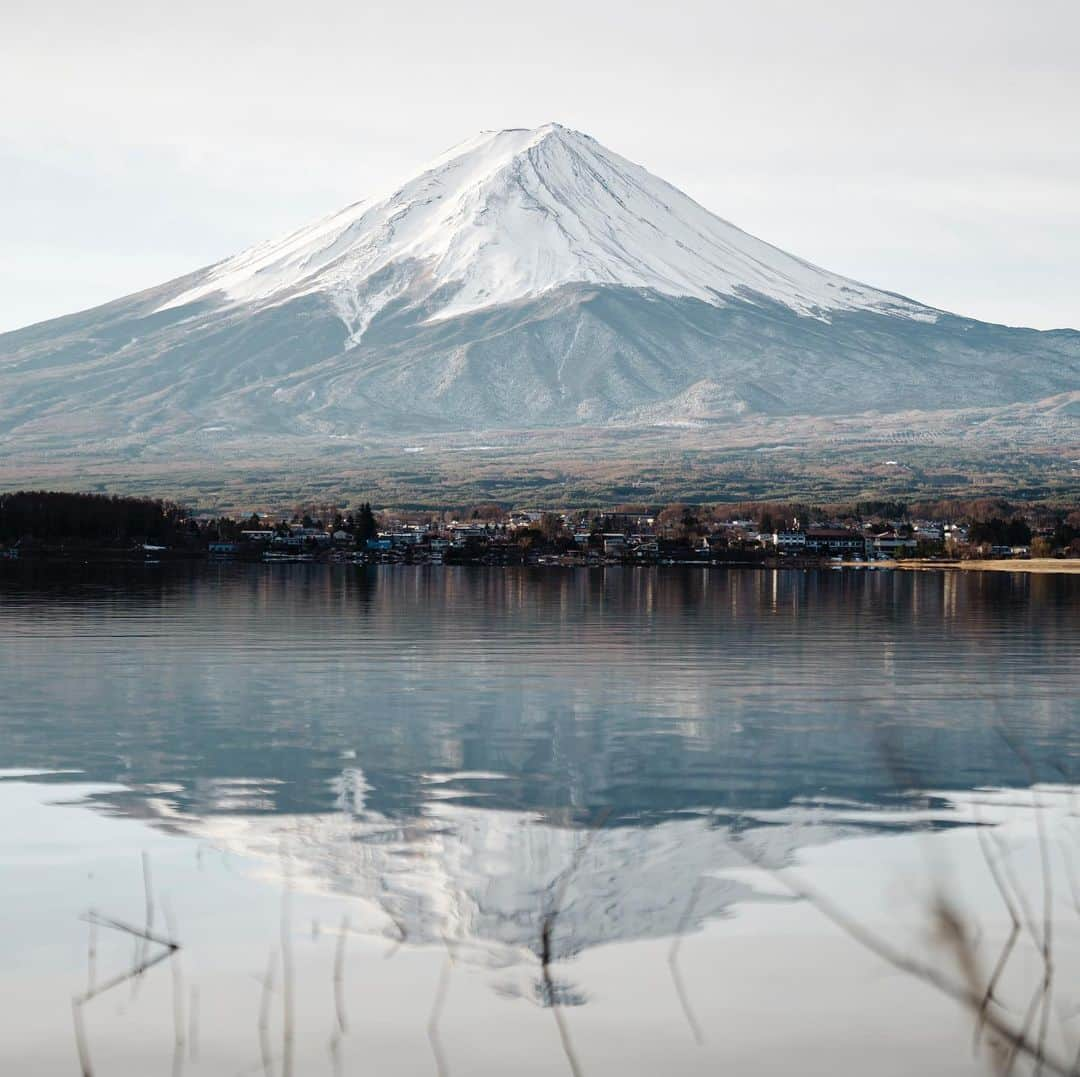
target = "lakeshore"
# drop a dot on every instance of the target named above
(43, 525)
(1037, 565)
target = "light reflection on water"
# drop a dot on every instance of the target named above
(447, 748)
(638, 691)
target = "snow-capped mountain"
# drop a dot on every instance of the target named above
(527, 278)
(512, 215)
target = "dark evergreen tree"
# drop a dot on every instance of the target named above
(365, 525)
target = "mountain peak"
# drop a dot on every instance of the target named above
(511, 215)
(545, 130)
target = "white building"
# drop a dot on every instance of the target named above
(787, 541)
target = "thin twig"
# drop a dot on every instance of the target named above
(551, 995)
(673, 961)
(1048, 900)
(547, 930)
(141, 942)
(179, 1024)
(953, 934)
(402, 931)
(340, 1024)
(82, 1045)
(339, 977)
(1030, 924)
(138, 932)
(288, 987)
(123, 977)
(901, 960)
(441, 990)
(91, 957)
(193, 1024)
(1048, 929)
(265, 1052)
(1021, 1036)
(990, 995)
(169, 947)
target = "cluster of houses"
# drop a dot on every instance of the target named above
(873, 543)
(536, 537)
(297, 542)
(868, 544)
(568, 539)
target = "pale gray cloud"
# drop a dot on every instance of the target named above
(927, 148)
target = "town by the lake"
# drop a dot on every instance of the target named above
(37, 525)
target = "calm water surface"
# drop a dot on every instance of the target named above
(444, 756)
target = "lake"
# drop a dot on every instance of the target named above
(462, 820)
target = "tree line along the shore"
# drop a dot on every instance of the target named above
(93, 520)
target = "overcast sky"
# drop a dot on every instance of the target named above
(928, 148)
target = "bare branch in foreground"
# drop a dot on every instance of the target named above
(81, 1043)
(340, 1021)
(142, 937)
(141, 941)
(265, 1053)
(193, 1024)
(169, 947)
(673, 962)
(990, 994)
(437, 1004)
(547, 929)
(179, 1023)
(1043, 995)
(91, 957)
(339, 977)
(288, 986)
(967, 994)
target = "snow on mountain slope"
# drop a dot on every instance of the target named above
(512, 215)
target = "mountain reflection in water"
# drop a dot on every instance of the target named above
(429, 735)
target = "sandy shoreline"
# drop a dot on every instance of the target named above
(1033, 564)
